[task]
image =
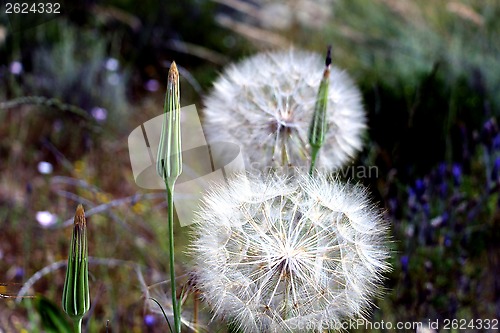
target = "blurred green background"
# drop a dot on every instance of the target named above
(74, 85)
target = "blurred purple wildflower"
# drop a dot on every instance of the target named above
(489, 132)
(420, 188)
(149, 320)
(152, 85)
(16, 67)
(456, 171)
(494, 172)
(496, 142)
(445, 217)
(447, 241)
(427, 209)
(99, 114)
(442, 190)
(404, 263)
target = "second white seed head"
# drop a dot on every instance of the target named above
(265, 104)
(283, 255)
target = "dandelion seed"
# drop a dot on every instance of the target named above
(280, 255)
(266, 103)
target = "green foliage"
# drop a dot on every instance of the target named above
(52, 318)
(77, 75)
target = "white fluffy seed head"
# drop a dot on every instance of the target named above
(289, 255)
(265, 104)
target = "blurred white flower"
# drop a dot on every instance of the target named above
(112, 64)
(283, 255)
(99, 114)
(16, 67)
(46, 219)
(45, 168)
(265, 104)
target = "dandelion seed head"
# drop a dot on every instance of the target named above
(265, 104)
(284, 254)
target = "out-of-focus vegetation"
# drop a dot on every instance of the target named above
(430, 76)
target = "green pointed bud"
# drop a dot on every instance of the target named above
(76, 296)
(169, 159)
(318, 127)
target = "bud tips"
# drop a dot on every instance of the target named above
(318, 127)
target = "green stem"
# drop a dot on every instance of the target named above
(314, 155)
(77, 325)
(175, 306)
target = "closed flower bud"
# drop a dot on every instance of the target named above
(76, 296)
(169, 160)
(318, 127)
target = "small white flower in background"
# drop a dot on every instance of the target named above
(289, 255)
(265, 104)
(16, 68)
(45, 168)
(99, 114)
(112, 64)
(46, 219)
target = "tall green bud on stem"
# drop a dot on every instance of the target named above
(76, 296)
(169, 167)
(169, 160)
(319, 122)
